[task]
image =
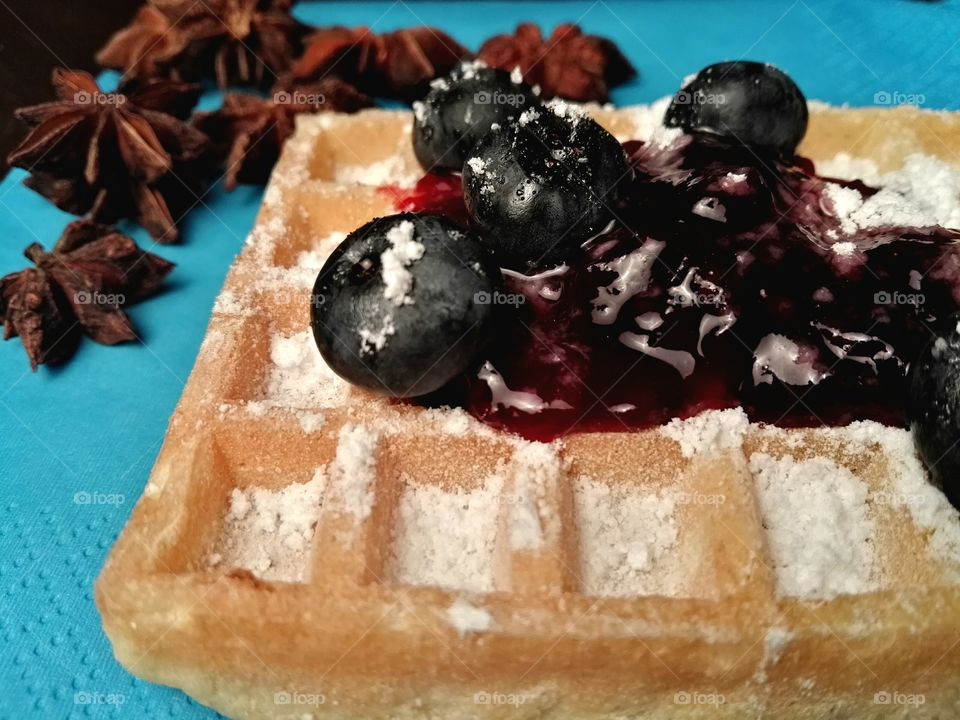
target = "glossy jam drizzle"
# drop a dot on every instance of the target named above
(725, 280)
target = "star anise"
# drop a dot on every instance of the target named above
(235, 41)
(115, 155)
(398, 64)
(569, 64)
(250, 131)
(83, 284)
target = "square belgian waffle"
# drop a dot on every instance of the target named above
(306, 549)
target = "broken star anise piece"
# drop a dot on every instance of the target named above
(568, 64)
(245, 42)
(116, 155)
(250, 131)
(397, 64)
(92, 272)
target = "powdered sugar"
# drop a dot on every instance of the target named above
(445, 538)
(394, 170)
(298, 378)
(467, 618)
(912, 490)
(404, 250)
(709, 432)
(537, 471)
(818, 526)
(924, 192)
(351, 474)
(269, 532)
(628, 540)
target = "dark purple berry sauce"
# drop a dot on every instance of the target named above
(724, 280)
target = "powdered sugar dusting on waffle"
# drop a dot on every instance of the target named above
(310, 262)
(269, 532)
(298, 377)
(445, 537)
(924, 192)
(537, 469)
(467, 618)
(818, 526)
(708, 432)
(912, 491)
(628, 540)
(351, 475)
(394, 171)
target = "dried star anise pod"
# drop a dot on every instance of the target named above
(82, 284)
(145, 48)
(398, 64)
(235, 41)
(116, 155)
(250, 131)
(569, 64)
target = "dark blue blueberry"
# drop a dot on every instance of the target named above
(934, 409)
(402, 305)
(749, 102)
(460, 109)
(540, 187)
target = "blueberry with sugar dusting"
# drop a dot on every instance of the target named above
(752, 103)
(542, 186)
(934, 409)
(460, 109)
(402, 305)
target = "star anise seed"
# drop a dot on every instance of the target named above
(398, 64)
(251, 131)
(92, 272)
(569, 64)
(246, 42)
(116, 155)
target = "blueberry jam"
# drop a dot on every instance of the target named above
(727, 279)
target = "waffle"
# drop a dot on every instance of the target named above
(306, 549)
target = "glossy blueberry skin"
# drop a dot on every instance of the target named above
(753, 103)
(934, 409)
(538, 189)
(437, 335)
(460, 109)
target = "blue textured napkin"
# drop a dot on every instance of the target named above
(77, 443)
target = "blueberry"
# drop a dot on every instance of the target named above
(934, 409)
(460, 109)
(540, 187)
(402, 305)
(749, 102)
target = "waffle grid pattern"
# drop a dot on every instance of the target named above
(354, 639)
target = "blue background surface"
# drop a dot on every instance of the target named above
(95, 425)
